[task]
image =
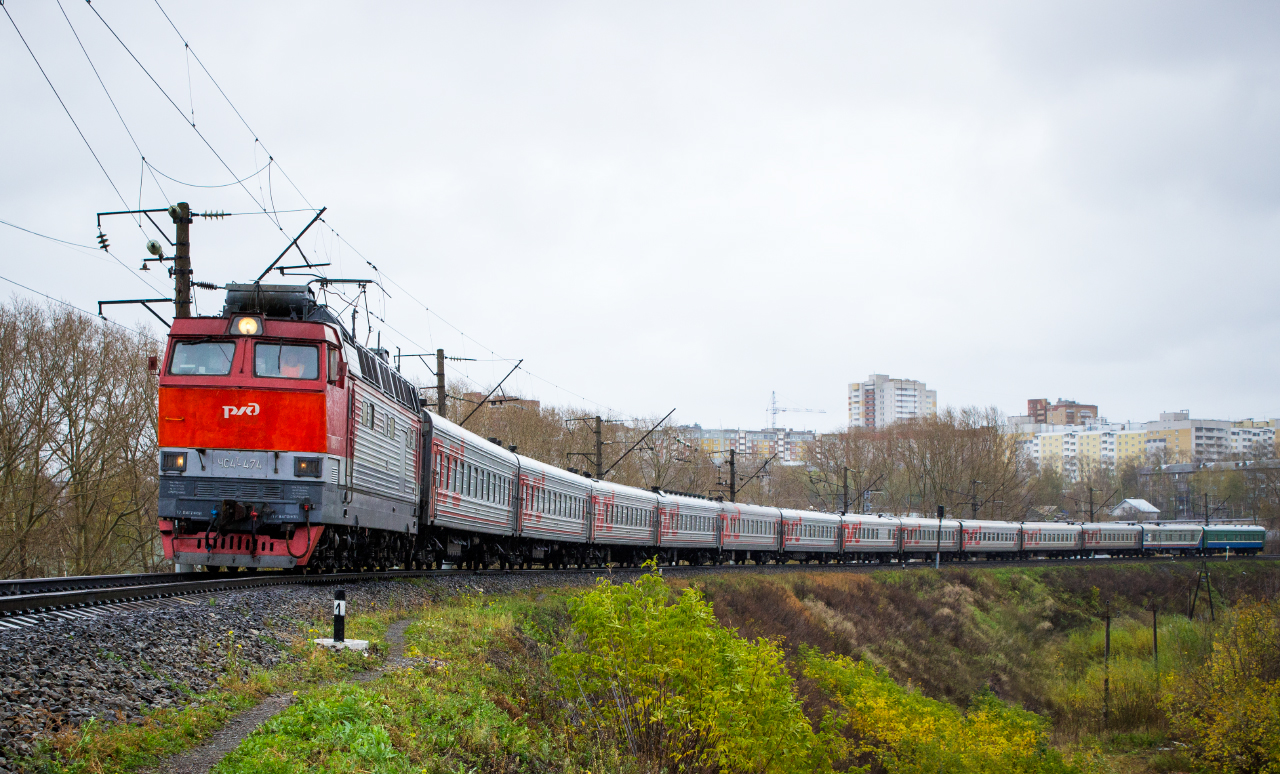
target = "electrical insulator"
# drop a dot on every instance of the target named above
(219, 214)
(102, 240)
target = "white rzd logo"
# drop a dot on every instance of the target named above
(234, 411)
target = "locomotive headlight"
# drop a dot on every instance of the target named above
(308, 467)
(247, 326)
(173, 462)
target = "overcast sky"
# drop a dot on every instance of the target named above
(693, 205)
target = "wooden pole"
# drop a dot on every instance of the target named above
(181, 214)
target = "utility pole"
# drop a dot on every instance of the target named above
(1091, 515)
(1206, 510)
(937, 557)
(181, 214)
(846, 491)
(599, 451)
(440, 393)
(733, 476)
(597, 458)
(974, 501)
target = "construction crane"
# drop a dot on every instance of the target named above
(774, 410)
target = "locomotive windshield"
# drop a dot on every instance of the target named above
(212, 358)
(286, 361)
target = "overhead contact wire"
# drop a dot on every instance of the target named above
(182, 113)
(144, 334)
(282, 171)
(72, 118)
(65, 109)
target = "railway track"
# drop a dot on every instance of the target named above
(20, 600)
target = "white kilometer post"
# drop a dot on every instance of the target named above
(339, 615)
(340, 641)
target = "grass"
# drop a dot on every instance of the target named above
(490, 707)
(116, 748)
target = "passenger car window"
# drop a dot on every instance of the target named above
(286, 361)
(205, 358)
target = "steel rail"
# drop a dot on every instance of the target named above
(49, 594)
(17, 586)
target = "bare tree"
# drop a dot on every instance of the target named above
(77, 445)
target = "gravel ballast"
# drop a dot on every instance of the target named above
(121, 663)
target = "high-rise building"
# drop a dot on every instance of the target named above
(882, 400)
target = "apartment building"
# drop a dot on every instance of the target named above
(882, 400)
(788, 444)
(1074, 449)
(1253, 437)
(1063, 412)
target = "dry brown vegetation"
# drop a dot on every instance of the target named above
(77, 445)
(954, 633)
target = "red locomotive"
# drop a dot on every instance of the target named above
(284, 442)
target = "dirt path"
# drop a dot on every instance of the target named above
(203, 758)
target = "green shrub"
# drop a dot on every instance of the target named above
(667, 682)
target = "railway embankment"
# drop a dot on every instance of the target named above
(531, 673)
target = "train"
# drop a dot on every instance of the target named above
(287, 444)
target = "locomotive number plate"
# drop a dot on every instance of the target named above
(239, 464)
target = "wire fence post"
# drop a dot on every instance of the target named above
(1106, 673)
(1155, 642)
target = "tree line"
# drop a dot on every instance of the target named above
(77, 445)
